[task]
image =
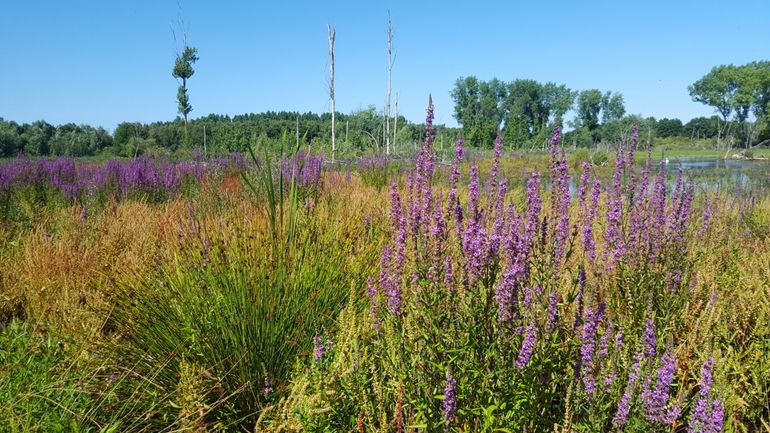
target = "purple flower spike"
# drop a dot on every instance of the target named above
(450, 399)
(527, 345)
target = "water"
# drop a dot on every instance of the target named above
(707, 174)
(722, 174)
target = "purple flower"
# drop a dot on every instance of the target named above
(267, 389)
(655, 399)
(527, 345)
(592, 210)
(553, 313)
(658, 205)
(450, 399)
(621, 416)
(398, 222)
(560, 197)
(534, 205)
(604, 344)
(613, 235)
(495, 162)
(650, 342)
(318, 348)
(706, 218)
(631, 187)
(708, 415)
(475, 241)
(583, 189)
(389, 281)
(453, 203)
(591, 321)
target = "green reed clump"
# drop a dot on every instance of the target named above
(239, 303)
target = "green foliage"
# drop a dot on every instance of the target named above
(736, 92)
(10, 139)
(183, 70)
(523, 107)
(589, 105)
(34, 396)
(669, 128)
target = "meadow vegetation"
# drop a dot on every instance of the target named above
(466, 292)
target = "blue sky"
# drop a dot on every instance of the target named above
(104, 62)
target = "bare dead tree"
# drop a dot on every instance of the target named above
(395, 125)
(332, 34)
(390, 72)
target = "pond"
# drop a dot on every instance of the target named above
(713, 173)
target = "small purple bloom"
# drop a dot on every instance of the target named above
(450, 399)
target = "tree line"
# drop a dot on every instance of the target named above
(40, 138)
(525, 110)
(359, 132)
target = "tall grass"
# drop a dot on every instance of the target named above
(239, 302)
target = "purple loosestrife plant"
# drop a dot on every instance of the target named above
(499, 224)
(708, 414)
(527, 345)
(650, 341)
(631, 166)
(318, 348)
(706, 218)
(591, 320)
(592, 210)
(495, 164)
(655, 399)
(454, 209)
(475, 239)
(560, 197)
(553, 312)
(388, 281)
(658, 208)
(267, 388)
(614, 237)
(398, 222)
(624, 406)
(534, 205)
(450, 400)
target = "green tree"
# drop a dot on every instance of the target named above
(589, 106)
(183, 70)
(36, 138)
(669, 128)
(701, 127)
(719, 89)
(478, 108)
(612, 106)
(10, 139)
(559, 99)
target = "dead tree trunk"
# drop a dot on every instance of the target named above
(332, 34)
(395, 125)
(390, 71)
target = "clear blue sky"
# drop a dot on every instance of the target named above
(104, 62)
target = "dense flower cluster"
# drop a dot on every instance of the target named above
(303, 168)
(83, 181)
(476, 291)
